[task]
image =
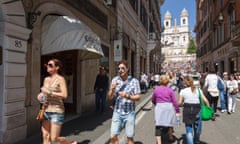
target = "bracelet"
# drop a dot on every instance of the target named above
(128, 96)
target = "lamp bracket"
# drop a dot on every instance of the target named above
(32, 18)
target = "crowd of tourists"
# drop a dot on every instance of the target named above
(170, 92)
(182, 89)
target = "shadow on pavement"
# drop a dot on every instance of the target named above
(182, 140)
(85, 123)
(84, 142)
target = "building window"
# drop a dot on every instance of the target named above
(221, 3)
(231, 22)
(221, 34)
(167, 23)
(184, 21)
(105, 60)
(134, 4)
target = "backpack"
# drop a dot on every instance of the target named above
(220, 85)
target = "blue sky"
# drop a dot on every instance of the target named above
(175, 7)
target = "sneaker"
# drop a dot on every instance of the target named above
(73, 142)
(233, 111)
(222, 111)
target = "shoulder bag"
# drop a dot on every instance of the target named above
(40, 116)
(121, 89)
(220, 84)
(206, 111)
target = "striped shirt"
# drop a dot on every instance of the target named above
(54, 103)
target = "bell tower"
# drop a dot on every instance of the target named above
(167, 20)
(184, 18)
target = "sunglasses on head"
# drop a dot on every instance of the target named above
(121, 68)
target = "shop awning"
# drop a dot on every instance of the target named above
(63, 33)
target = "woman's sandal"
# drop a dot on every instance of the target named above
(73, 142)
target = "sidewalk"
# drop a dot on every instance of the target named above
(92, 128)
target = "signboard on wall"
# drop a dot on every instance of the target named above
(117, 50)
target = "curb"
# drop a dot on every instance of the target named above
(104, 138)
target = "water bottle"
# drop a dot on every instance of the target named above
(178, 120)
(43, 99)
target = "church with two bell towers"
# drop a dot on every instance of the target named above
(175, 41)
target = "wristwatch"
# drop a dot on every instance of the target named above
(128, 96)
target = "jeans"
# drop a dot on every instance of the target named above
(193, 131)
(222, 100)
(232, 100)
(100, 100)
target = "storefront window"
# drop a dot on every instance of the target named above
(105, 60)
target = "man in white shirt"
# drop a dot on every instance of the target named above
(213, 93)
(156, 79)
(144, 81)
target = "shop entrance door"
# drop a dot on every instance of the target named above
(69, 60)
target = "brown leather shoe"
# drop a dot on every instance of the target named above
(214, 118)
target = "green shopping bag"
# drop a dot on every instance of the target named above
(206, 111)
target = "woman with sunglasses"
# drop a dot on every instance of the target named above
(53, 91)
(126, 91)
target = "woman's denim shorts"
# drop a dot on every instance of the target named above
(53, 117)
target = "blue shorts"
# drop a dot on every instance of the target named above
(118, 121)
(56, 118)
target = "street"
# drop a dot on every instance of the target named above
(94, 129)
(225, 130)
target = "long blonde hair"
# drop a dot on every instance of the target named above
(188, 82)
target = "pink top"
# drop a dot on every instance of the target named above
(163, 94)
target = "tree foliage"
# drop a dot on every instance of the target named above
(191, 47)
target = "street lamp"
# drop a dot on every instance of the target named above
(220, 18)
(116, 34)
(219, 21)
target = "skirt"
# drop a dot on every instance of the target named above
(191, 113)
(164, 114)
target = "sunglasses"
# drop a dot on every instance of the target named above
(121, 68)
(50, 65)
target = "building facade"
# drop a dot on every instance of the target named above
(83, 35)
(175, 40)
(217, 35)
